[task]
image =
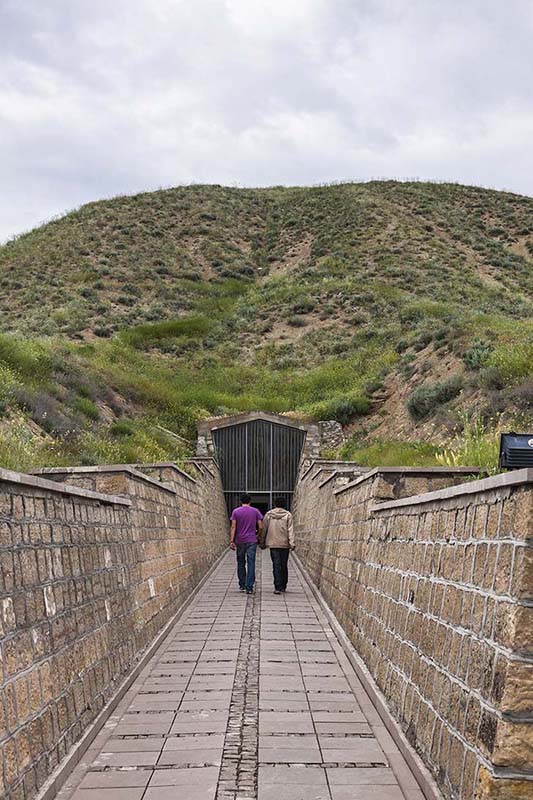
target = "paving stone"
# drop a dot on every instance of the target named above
(282, 705)
(275, 656)
(285, 722)
(134, 745)
(202, 705)
(353, 776)
(314, 647)
(364, 751)
(197, 757)
(291, 683)
(318, 658)
(146, 758)
(141, 728)
(271, 791)
(215, 668)
(270, 694)
(296, 755)
(218, 682)
(342, 727)
(326, 684)
(155, 702)
(336, 700)
(200, 722)
(199, 783)
(288, 648)
(348, 715)
(288, 740)
(116, 779)
(128, 793)
(366, 793)
(284, 668)
(303, 776)
(317, 670)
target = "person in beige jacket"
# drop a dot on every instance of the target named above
(278, 535)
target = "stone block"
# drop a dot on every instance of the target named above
(491, 788)
(514, 688)
(513, 745)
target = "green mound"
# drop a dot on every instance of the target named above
(404, 310)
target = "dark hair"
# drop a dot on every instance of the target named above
(280, 502)
(245, 498)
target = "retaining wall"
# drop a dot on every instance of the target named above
(435, 591)
(93, 563)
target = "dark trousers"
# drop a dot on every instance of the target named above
(246, 565)
(280, 557)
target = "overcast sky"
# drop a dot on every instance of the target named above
(103, 97)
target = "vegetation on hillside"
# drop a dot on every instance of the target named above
(404, 310)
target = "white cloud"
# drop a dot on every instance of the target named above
(102, 98)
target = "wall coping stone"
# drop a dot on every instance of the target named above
(326, 463)
(201, 462)
(37, 482)
(332, 462)
(409, 471)
(519, 477)
(225, 421)
(320, 470)
(330, 477)
(167, 465)
(104, 469)
(342, 473)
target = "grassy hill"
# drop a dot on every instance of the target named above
(404, 310)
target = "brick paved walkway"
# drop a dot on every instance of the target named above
(248, 697)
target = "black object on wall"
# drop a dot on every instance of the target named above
(516, 450)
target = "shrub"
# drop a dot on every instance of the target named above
(423, 401)
(130, 288)
(28, 358)
(143, 335)
(45, 411)
(86, 406)
(374, 386)
(122, 427)
(303, 307)
(522, 394)
(491, 378)
(422, 341)
(477, 355)
(343, 410)
(126, 300)
(22, 450)
(477, 446)
(102, 331)
(385, 453)
(298, 322)
(514, 359)
(402, 345)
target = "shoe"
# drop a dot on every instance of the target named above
(249, 591)
(277, 591)
(242, 588)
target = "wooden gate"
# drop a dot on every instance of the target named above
(258, 458)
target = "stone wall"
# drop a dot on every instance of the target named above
(93, 564)
(435, 591)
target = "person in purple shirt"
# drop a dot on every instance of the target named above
(245, 522)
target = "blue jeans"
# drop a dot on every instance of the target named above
(246, 565)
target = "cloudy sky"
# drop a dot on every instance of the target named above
(102, 97)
